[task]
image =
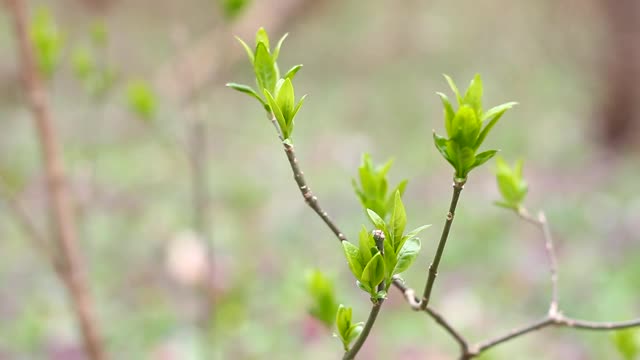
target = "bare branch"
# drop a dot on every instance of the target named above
(485, 345)
(409, 295)
(375, 309)
(433, 268)
(30, 229)
(543, 225)
(561, 320)
(308, 196)
(62, 217)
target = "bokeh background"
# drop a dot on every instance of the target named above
(206, 174)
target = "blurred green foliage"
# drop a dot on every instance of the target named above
(47, 40)
(141, 99)
(322, 293)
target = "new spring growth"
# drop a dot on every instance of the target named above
(465, 129)
(276, 94)
(373, 189)
(369, 265)
(347, 330)
(511, 184)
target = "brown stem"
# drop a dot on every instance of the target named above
(60, 208)
(30, 229)
(485, 345)
(560, 320)
(308, 196)
(375, 309)
(433, 268)
(409, 295)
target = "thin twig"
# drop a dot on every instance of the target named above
(414, 302)
(543, 225)
(308, 196)
(62, 217)
(561, 320)
(433, 268)
(375, 309)
(30, 229)
(485, 345)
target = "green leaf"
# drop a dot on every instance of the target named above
(353, 332)
(399, 188)
(483, 157)
(627, 343)
(498, 109)
(376, 220)
(412, 234)
(465, 127)
(296, 109)
(448, 112)
(352, 254)
(463, 157)
(262, 38)
(373, 273)
(277, 113)
(390, 260)
(343, 325)
(247, 90)
(364, 287)
(454, 88)
(292, 72)
(247, 49)
(442, 146)
(398, 219)
(407, 255)
(276, 51)
(285, 99)
(483, 134)
(265, 71)
(473, 96)
(366, 243)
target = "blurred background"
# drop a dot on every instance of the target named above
(168, 168)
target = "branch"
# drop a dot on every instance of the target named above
(308, 196)
(543, 225)
(414, 302)
(375, 309)
(433, 268)
(60, 208)
(30, 229)
(485, 345)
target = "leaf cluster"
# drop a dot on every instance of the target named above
(276, 94)
(511, 184)
(371, 262)
(467, 127)
(373, 188)
(347, 330)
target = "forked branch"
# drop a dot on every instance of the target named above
(554, 317)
